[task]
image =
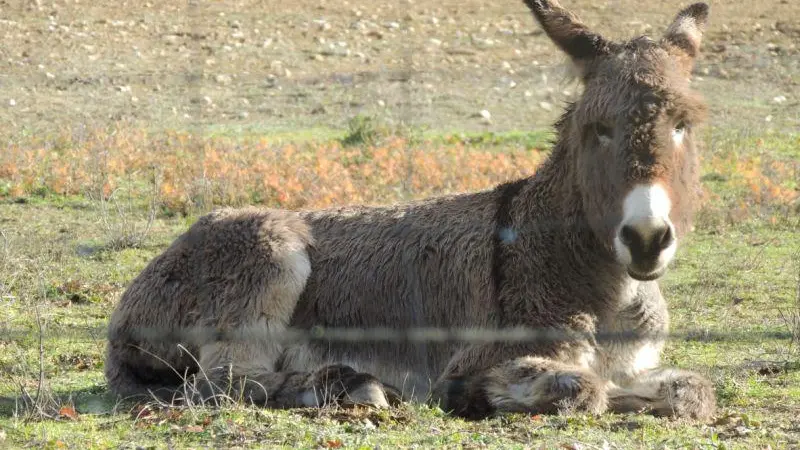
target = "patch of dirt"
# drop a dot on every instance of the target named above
(359, 415)
(273, 65)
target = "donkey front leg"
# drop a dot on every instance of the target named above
(527, 384)
(666, 392)
(252, 378)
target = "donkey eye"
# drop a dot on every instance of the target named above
(603, 131)
(678, 132)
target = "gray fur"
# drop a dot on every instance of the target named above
(537, 252)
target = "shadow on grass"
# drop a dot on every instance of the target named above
(89, 400)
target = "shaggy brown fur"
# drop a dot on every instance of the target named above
(538, 252)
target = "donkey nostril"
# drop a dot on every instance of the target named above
(666, 238)
(627, 235)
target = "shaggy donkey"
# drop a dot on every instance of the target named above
(576, 247)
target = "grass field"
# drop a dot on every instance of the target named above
(123, 124)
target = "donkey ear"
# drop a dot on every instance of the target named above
(684, 35)
(568, 33)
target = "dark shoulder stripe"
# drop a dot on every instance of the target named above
(503, 230)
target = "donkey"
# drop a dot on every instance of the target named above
(577, 247)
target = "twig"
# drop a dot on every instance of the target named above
(41, 356)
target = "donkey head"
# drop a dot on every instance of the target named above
(630, 134)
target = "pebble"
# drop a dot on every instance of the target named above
(486, 116)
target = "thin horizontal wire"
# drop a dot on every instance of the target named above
(201, 335)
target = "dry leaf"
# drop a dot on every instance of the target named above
(68, 412)
(333, 443)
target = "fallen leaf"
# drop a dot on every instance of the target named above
(194, 429)
(333, 443)
(68, 412)
(174, 415)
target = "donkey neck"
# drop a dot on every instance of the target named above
(552, 203)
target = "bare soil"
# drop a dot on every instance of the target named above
(277, 66)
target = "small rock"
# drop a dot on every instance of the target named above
(223, 79)
(546, 106)
(481, 42)
(779, 99)
(323, 25)
(49, 75)
(208, 100)
(486, 116)
(528, 94)
(12, 102)
(391, 25)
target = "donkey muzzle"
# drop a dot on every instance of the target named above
(645, 242)
(650, 243)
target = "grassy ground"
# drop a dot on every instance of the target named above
(66, 258)
(122, 124)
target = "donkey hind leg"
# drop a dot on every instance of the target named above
(261, 385)
(527, 384)
(666, 392)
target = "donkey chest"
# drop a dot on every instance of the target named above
(624, 357)
(622, 362)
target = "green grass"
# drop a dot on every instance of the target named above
(730, 276)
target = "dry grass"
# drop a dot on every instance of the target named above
(186, 173)
(189, 173)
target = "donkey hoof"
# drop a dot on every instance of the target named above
(577, 392)
(364, 389)
(370, 394)
(688, 396)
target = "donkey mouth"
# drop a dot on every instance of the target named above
(646, 276)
